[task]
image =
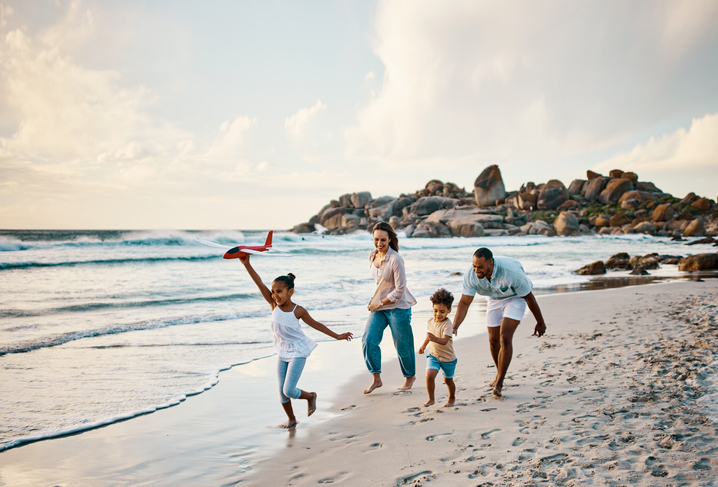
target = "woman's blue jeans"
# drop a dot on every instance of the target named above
(288, 372)
(399, 321)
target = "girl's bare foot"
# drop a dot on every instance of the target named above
(428, 403)
(289, 424)
(408, 382)
(450, 402)
(376, 384)
(312, 404)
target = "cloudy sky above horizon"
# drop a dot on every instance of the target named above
(254, 114)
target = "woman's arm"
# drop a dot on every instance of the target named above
(266, 293)
(303, 315)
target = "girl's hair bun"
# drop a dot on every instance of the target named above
(291, 275)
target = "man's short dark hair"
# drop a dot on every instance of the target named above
(485, 253)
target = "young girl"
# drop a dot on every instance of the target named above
(292, 345)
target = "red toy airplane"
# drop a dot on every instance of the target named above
(236, 252)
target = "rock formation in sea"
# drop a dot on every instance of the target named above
(607, 205)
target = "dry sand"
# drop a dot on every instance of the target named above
(617, 393)
(609, 397)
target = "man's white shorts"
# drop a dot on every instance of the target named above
(498, 309)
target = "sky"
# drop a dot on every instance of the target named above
(254, 114)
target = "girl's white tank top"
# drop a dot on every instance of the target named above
(289, 339)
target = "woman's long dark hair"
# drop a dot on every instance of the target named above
(393, 240)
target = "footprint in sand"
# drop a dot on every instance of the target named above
(489, 433)
(349, 407)
(425, 475)
(519, 441)
(434, 437)
(402, 393)
(374, 447)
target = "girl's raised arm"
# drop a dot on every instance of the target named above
(303, 315)
(266, 293)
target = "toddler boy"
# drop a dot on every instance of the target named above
(439, 346)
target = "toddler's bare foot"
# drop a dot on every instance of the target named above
(428, 403)
(289, 424)
(408, 382)
(312, 404)
(450, 402)
(374, 385)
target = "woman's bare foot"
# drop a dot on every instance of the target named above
(289, 424)
(312, 404)
(450, 402)
(408, 382)
(376, 384)
(428, 403)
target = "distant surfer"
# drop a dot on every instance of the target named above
(508, 292)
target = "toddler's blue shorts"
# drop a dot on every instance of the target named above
(447, 368)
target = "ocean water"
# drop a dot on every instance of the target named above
(100, 326)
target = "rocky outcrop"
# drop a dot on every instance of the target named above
(619, 261)
(609, 205)
(699, 262)
(489, 187)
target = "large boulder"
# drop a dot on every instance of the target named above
(619, 219)
(431, 230)
(648, 261)
(382, 208)
(630, 175)
(663, 213)
(465, 226)
(592, 269)
(619, 261)
(614, 190)
(489, 186)
(615, 173)
(566, 224)
(702, 204)
(527, 201)
(345, 201)
(361, 199)
(430, 204)
(637, 195)
(696, 228)
(592, 189)
(402, 203)
(646, 227)
(592, 175)
(699, 262)
(552, 195)
(576, 186)
(332, 217)
(569, 205)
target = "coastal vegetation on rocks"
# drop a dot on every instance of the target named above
(615, 204)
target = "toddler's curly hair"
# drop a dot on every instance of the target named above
(442, 296)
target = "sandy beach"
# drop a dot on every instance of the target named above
(616, 393)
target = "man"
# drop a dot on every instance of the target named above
(504, 282)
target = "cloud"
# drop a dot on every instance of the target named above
(692, 149)
(299, 126)
(516, 82)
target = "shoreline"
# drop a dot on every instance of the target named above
(207, 412)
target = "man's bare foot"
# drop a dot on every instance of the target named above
(450, 402)
(374, 385)
(408, 382)
(428, 403)
(493, 382)
(289, 424)
(497, 390)
(312, 404)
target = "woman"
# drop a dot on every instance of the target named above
(390, 306)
